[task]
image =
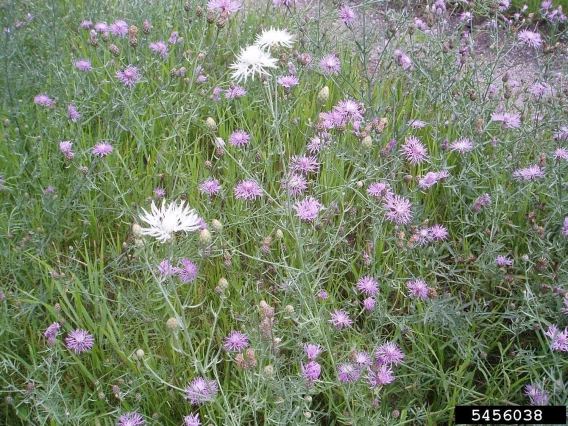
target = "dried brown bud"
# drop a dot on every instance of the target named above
(113, 48)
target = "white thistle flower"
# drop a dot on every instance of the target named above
(252, 60)
(165, 221)
(272, 37)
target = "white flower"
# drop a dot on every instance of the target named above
(272, 37)
(165, 221)
(252, 60)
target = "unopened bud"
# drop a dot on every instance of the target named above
(211, 124)
(216, 225)
(205, 236)
(323, 96)
(367, 143)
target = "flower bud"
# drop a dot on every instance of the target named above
(323, 96)
(211, 124)
(216, 225)
(205, 236)
(367, 143)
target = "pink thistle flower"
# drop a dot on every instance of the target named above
(311, 371)
(417, 288)
(565, 310)
(347, 15)
(417, 124)
(316, 144)
(510, 121)
(166, 269)
(362, 358)
(65, 148)
(102, 149)
(308, 209)
(560, 154)
(503, 261)
(239, 138)
(235, 92)
(51, 332)
(129, 77)
(159, 193)
(83, 65)
(537, 395)
(79, 341)
(248, 190)
(565, 227)
(529, 173)
(340, 319)
(86, 24)
(236, 342)
(43, 100)
(541, 90)
(210, 187)
(379, 190)
(429, 180)
(131, 419)
(288, 81)
(461, 145)
(160, 47)
(173, 37)
(423, 236)
(330, 65)
(348, 373)
(438, 232)
(304, 164)
(403, 60)
(368, 286)
(312, 351)
(398, 209)
(389, 353)
(119, 28)
(350, 110)
(229, 6)
(414, 150)
(74, 115)
(369, 303)
(295, 185)
(322, 294)
(188, 271)
(530, 38)
(191, 420)
(200, 390)
(559, 340)
(101, 27)
(562, 133)
(201, 79)
(382, 375)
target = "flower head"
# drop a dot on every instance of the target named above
(79, 341)
(86, 24)
(102, 149)
(308, 209)
(509, 120)
(101, 27)
(131, 419)
(295, 184)
(461, 145)
(312, 351)
(565, 227)
(164, 222)
(503, 261)
(288, 81)
(403, 59)
(347, 15)
(236, 341)
(160, 47)
(368, 286)
(119, 28)
(191, 420)
(200, 390)
(311, 371)
(362, 358)
(210, 187)
(417, 288)
(51, 332)
(330, 65)
(239, 138)
(83, 65)
(228, 6)
(247, 190)
(379, 190)
(529, 173)
(43, 100)
(537, 395)
(559, 339)
(74, 115)
(382, 375)
(398, 209)
(270, 38)
(304, 164)
(369, 303)
(235, 92)
(65, 148)
(348, 373)
(389, 353)
(129, 77)
(340, 319)
(438, 232)
(252, 60)
(414, 150)
(530, 38)
(187, 272)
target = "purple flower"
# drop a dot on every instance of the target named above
(389, 353)
(348, 373)
(166, 269)
(565, 227)
(402, 59)
(129, 77)
(173, 37)
(560, 154)
(368, 286)
(102, 149)
(503, 261)
(188, 271)
(65, 148)
(362, 358)
(350, 110)
(417, 124)
(417, 288)
(236, 342)
(200, 390)
(438, 232)
(201, 79)
(530, 38)
(159, 193)
(210, 187)
(559, 339)
(461, 145)
(541, 90)
(347, 15)
(239, 138)
(295, 184)
(304, 164)
(537, 395)
(83, 65)
(74, 115)
(330, 65)
(562, 133)
(565, 310)
(369, 303)
(308, 208)
(229, 6)
(101, 27)
(43, 100)
(79, 341)
(510, 121)
(529, 173)
(235, 92)
(312, 351)
(247, 190)
(398, 209)
(317, 143)
(119, 28)
(322, 294)
(481, 201)
(414, 150)
(288, 81)
(86, 24)
(160, 47)
(340, 319)
(432, 178)
(131, 419)
(51, 332)
(381, 376)
(311, 371)
(47, 190)
(192, 420)
(379, 190)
